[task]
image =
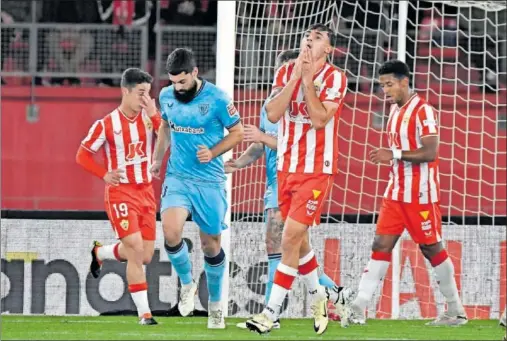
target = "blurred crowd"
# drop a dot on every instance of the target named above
(435, 25)
(66, 50)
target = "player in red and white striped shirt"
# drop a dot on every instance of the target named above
(126, 137)
(306, 100)
(412, 197)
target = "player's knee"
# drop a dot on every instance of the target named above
(135, 252)
(210, 245)
(291, 241)
(147, 257)
(172, 235)
(429, 251)
(383, 243)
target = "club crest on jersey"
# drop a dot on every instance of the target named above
(124, 224)
(317, 85)
(148, 124)
(204, 108)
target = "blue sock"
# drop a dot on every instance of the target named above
(215, 268)
(178, 255)
(325, 281)
(273, 261)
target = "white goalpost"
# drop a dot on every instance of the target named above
(456, 51)
(226, 40)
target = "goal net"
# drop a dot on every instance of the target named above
(457, 54)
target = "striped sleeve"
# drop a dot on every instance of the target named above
(428, 120)
(157, 121)
(95, 138)
(281, 77)
(334, 87)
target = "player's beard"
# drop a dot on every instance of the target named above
(187, 95)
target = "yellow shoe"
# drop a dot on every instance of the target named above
(320, 317)
(260, 323)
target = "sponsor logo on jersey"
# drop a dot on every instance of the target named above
(426, 225)
(185, 130)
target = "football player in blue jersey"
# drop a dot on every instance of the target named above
(195, 113)
(264, 141)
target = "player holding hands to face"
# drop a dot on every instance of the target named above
(127, 136)
(264, 141)
(306, 100)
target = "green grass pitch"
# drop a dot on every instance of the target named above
(177, 328)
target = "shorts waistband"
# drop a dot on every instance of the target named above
(130, 186)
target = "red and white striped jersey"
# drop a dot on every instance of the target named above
(301, 148)
(410, 182)
(128, 144)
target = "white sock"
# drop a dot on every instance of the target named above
(447, 284)
(106, 252)
(214, 306)
(371, 278)
(187, 286)
(284, 277)
(140, 299)
(317, 292)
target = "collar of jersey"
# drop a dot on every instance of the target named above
(133, 119)
(200, 89)
(414, 95)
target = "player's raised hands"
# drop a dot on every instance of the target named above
(298, 64)
(381, 155)
(113, 177)
(149, 105)
(155, 169)
(230, 166)
(204, 154)
(307, 68)
(252, 133)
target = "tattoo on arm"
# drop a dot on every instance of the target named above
(274, 230)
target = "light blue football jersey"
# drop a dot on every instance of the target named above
(271, 129)
(199, 122)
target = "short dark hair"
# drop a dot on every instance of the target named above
(180, 60)
(133, 76)
(323, 28)
(396, 67)
(285, 56)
